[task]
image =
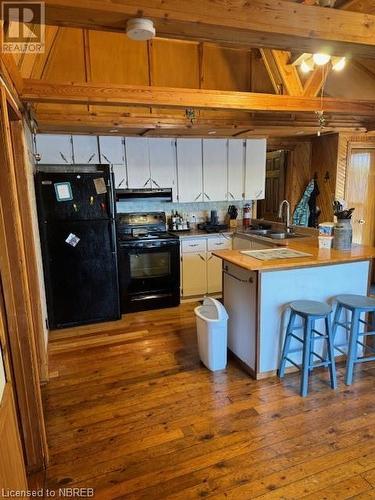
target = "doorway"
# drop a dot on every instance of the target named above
(275, 185)
(360, 194)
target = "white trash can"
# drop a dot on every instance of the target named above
(212, 322)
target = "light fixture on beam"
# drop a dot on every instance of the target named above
(321, 59)
(140, 29)
(338, 63)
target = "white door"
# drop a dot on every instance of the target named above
(137, 162)
(163, 164)
(194, 274)
(236, 165)
(54, 148)
(189, 170)
(85, 149)
(215, 169)
(112, 151)
(255, 169)
(214, 273)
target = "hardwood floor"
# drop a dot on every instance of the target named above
(132, 413)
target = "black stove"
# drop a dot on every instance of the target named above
(149, 262)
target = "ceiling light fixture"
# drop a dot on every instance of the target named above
(338, 63)
(321, 59)
(140, 29)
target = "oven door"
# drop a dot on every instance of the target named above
(149, 275)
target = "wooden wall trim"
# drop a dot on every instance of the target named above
(21, 160)
(13, 269)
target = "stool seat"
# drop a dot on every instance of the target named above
(310, 308)
(356, 301)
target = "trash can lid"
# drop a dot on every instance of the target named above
(221, 313)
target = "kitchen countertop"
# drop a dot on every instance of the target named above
(319, 257)
(196, 233)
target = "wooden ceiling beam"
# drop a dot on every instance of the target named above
(37, 91)
(289, 73)
(273, 24)
(316, 80)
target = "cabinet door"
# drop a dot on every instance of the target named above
(189, 169)
(194, 274)
(85, 149)
(236, 166)
(242, 243)
(138, 162)
(54, 149)
(119, 171)
(112, 150)
(215, 169)
(214, 274)
(163, 164)
(255, 169)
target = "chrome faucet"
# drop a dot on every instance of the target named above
(287, 221)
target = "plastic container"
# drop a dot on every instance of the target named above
(212, 330)
(343, 235)
(325, 241)
(326, 229)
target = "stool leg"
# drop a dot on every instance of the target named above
(306, 357)
(287, 341)
(311, 357)
(331, 353)
(336, 319)
(352, 353)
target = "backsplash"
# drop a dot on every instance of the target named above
(199, 210)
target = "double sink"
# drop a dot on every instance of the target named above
(273, 234)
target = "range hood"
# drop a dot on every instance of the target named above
(145, 194)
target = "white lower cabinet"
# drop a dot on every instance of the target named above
(201, 270)
(214, 274)
(194, 273)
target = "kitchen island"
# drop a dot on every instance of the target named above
(257, 293)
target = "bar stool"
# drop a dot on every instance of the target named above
(357, 305)
(309, 311)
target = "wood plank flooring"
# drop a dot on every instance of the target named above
(131, 412)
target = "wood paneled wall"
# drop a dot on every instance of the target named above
(324, 166)
(98, 56)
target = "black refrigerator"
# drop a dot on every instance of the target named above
(76, 213)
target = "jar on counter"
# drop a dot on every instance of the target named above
(343, 235)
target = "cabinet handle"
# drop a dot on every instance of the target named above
(148, 180)
(218, 244)
(63, 157)
(91, 157)
(193, 245)
(106, 159)
(231, 195)
(206, 195)
(156, 184)
(361, 221)
(259, 193)
(201, 256)
(195, 199)
(209, 258)
(250, 280)
(121, 182)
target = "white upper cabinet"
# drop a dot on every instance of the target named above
(112, 150)
(255, 169)
(163, 164)
(189, 169)
(85, 149)
(236, 165)
(54, 149)
(215, 169)
(138, 162)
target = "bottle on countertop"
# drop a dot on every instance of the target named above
(246, 218)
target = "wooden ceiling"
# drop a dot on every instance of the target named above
(92, 78)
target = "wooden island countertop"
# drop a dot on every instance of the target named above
(319, 257)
